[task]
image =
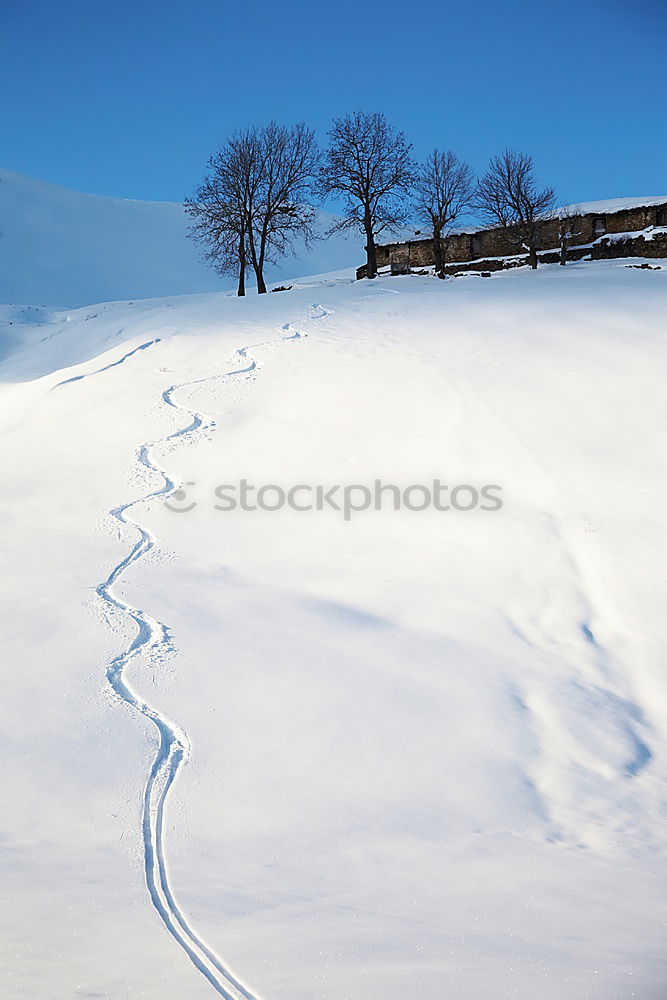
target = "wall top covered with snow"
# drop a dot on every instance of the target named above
(615, 204)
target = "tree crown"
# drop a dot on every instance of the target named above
(368, 165)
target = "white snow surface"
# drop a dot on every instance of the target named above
(425, 750)
(615, 204)
(62, 248)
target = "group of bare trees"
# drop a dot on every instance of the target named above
(256, 198)
(253, 201)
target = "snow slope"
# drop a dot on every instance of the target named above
(616, 204)
(61, 248)
(417, 753)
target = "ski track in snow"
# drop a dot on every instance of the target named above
(174, 745)
(153, 636)
(79, 378)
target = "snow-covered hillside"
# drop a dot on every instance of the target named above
(614, 204)
(424, 750)
(61, 248)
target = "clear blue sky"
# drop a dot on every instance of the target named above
(130, 97)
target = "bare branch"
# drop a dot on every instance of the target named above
(508, 196)
(444, 192)
(251, 206)
(368, 166)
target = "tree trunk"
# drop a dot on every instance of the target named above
(257, 262)
(563, 253)
(259, 270)
(371, 258)
(437, 251)
(532, 256)
(261, 284)
(242, 265)
(371, 255)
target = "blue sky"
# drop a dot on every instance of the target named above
(130, 98)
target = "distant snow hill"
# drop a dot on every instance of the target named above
(62, 248)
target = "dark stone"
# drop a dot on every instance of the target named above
(497, 249)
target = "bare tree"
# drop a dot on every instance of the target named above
(444, 191)
(508, 196)
(569, 221)
(251, 206)
(218, 214)
(277, 210)
(368, 165)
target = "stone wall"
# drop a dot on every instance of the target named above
(589, 228)
(519, 260)
(633, 246)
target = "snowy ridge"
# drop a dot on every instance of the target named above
(610, 205)
(113, 364)
(64, 249)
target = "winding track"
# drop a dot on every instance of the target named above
(152, 635)
(174, 746)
